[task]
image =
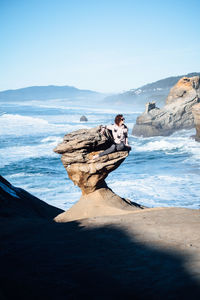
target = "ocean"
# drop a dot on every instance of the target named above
(159, 171)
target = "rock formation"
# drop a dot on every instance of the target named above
(83, 119)
(196, 114)
(175, 115)
(77, 150)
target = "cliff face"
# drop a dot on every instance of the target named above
(77, 150)
(175, 115)
(196, 114)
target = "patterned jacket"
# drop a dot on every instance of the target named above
(120, 133)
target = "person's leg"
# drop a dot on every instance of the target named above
(120, 147)
(111, 149)
(123, 147)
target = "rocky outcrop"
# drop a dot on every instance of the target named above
(196, 114)
(83, 119)
(77, 151)
(16, 202)
(175, 115)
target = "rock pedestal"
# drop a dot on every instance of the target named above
(78, 149)
(175, 115)
(196, 114)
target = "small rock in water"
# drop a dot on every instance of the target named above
(83, 119)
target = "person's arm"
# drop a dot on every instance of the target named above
(104, 127)
(126, 135)
(110, 127)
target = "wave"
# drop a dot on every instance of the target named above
(169, 145)
(10, 155)
(14, 124)
(52, 139)
(23, 174)
(159, 190)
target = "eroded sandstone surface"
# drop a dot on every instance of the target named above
(175, 115)
(78, 149)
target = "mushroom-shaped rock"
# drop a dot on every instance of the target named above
(196, 114)
(175, 115)
(78, 149)
(83, 119)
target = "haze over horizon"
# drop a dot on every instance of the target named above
(108, 46)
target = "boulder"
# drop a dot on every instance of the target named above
(78, 149)
(196, 114)
(175, 115)
(83, 119)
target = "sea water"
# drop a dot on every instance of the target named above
(159, 171)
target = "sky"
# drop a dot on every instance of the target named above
(108, 46)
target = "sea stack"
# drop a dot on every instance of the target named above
(175, 115)
(83, 119)
(196, 114)
(97, 198)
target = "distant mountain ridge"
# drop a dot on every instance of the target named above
(45, 92)
(156, 91)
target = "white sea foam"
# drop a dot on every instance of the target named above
(13, 154)
(18, 125)
(159, 190)
(52, 139)
(170, 145)
(23, 174)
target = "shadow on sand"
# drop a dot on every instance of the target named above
(45, 260)
(41, 259)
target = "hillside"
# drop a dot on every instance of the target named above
(44, 93)
(155, 91)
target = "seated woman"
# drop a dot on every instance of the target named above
(120, 137)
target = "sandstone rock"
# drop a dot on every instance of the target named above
(196, 114)
(175, 115)
(186, 88)
(77, 150)
(83, 119)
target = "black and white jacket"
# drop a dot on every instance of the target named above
(120, 133)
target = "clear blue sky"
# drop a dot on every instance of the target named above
(103, 45)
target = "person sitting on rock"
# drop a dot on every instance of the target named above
(120, 137)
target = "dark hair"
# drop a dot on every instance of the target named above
(118, 119)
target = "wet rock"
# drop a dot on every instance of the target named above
(83, 119)
(175, 115)
(196, 114)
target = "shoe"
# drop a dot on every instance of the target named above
(95, 157)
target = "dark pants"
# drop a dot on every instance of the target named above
(115, 147)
